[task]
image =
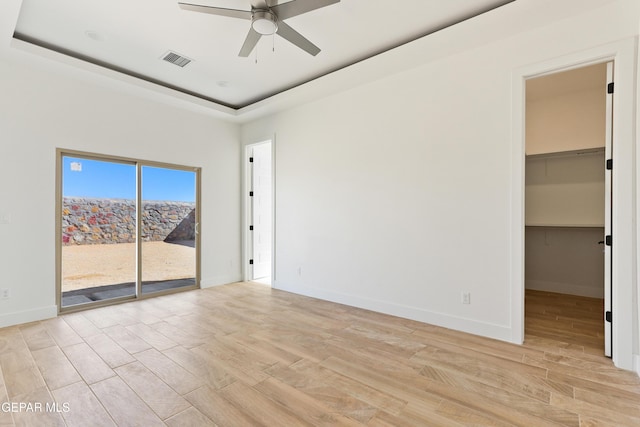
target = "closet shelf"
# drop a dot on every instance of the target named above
(565, 225)
(560, 154)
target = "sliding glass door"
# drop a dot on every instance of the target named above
(168, 204)
(125, 229)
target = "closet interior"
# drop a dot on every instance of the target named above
(565, 207)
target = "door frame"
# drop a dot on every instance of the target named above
(60, 153)
(247, 237)
(624, 274)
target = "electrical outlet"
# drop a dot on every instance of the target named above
(299, 271)
(5, 293)
(5, 218)
(466, 297)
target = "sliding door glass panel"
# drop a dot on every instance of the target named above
(168, 229)
(98, 256)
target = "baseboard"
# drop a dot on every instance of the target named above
(564, 288)
(471, 326)
(636, 363)
(210, 282)
(27, 316)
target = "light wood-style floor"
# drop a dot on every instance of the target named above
(246, 355)
(573, 320)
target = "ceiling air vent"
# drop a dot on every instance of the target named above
(176, 59)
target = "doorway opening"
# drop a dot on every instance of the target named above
(259, 216)
(568, 127)
(125, 229)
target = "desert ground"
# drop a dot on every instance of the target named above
(86, 266)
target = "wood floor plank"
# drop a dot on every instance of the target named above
(11, 340)
(306, 407)
(178, 378)
(251, 374)
(490, 401)
(452, 411)
(103, 317)
(81, 325)
(36, 336)
(84, 407)
(246, 354)
(213, 374)
(127, 340)
(597, 412)
(576, 321)
(371, 397)
(410, 418)
(153, 338)
(109, 350)
(479, 344)
(217, 408)
(61, 332)
(128, 315)
(320, 384)
(272, 353)
(189, 418)
(39, 416)
(512, 376)
(123, 405)
(628, 405)
(6, 419)
(21, 374)
(88, 364)
(260, 407)
(56, 369)
(161, 398)
(178, 335)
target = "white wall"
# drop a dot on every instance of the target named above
(44, 106)
(396, 195)
(566, 260)
(572, 121)
(565, 190)
(564, 214)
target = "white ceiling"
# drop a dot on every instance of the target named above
(131, 36)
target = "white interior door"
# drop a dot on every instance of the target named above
(608, 248)
(261, 210)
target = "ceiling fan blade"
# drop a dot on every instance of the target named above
(288, 33)
(298, 7)
(249, 43)
(233, 13)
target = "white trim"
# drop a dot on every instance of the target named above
(624, 275)
(20, 317)
(246, 210)
(485, 329)
(637, 363)
(218, 281)
(565, 288)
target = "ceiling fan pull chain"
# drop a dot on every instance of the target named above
(273, 41)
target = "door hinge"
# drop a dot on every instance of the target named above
(609, 87)
(251, 261)
(607, 240)
(250, 193)
(250, 159)
(251, 228)
(607, 316)
(609, 164)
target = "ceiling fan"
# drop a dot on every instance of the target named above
(267, 20)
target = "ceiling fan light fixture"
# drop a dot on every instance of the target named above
(264, 22)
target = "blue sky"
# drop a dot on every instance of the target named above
(101, 179)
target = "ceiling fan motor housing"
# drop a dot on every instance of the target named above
(264, 22)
